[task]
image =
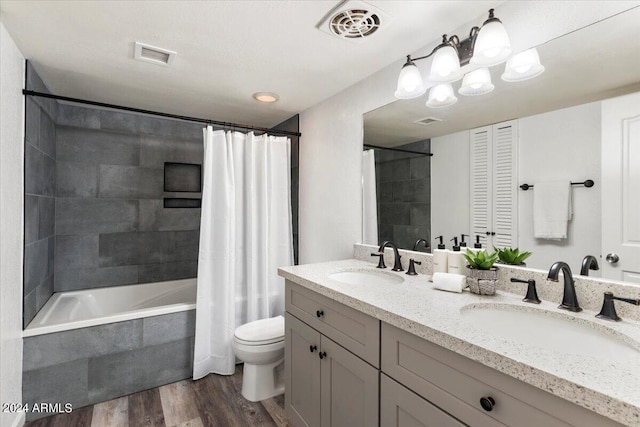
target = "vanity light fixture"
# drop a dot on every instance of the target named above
(486, 46)
(267, 97)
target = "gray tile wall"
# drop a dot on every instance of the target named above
(39, 201)
(111, 225)
(403, 186)
(95, 364)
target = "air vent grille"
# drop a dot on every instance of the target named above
(153, 54)
(427, 121)
(355, 23)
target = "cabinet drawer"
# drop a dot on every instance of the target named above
(400, 407)
(449, 381)
(350, 328)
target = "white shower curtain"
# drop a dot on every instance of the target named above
(369, 199)
(245, 235)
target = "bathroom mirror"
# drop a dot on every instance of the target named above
(584, 67)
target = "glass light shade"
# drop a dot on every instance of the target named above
(445, 67)
(523, 66)
(410, 84)
(492, 45)
(441, 96)
(477, 82)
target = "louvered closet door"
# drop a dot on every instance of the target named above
(480, 185)
(505, 196)
(494, 164)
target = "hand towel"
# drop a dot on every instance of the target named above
(551, 209)
(449, 282)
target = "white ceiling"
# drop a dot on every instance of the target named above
(227, 50)
(594, 63)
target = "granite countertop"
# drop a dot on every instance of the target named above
(608, 387)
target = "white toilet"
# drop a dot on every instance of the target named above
(260, 345)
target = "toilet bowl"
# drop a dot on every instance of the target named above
(260, 345)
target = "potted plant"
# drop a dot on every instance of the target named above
(481, 274)
(512, 256)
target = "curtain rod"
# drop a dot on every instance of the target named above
(157, 113)
(396, 149)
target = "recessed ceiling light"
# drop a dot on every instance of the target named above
(265, 97)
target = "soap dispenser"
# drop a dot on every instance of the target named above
(463, 244)
(440, 257)
(477, 246)
(455, 259)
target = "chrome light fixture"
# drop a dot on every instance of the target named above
(485, 46)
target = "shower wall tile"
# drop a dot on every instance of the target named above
(420, 167)
(168, 271)
(90, 278)
(136, 124)
(170, 327)
(124, 373)
(77, 179)
(186, 245)
(31, 219)
(36, 258)
(48, 176)
(154, 217)
(44, 292)
(46, 217)
(51, 252)
(130, 182)
(421, 214)
(32, 121)
(73, 252)
(87, 118)
(91, 146)
(47, 136)
(61, 347)
(85, 216)
(118, 249)
(29, 307)
(33, 166)
(63, 383)
(35, 83)
(155, 151)
(156, 247)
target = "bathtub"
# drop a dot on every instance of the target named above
(79, 309)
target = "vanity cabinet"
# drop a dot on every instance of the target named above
(326, 384)
(494, 184)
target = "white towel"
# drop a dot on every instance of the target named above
(551, 209)
(449, 282)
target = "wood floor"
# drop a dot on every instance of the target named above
(213, 401)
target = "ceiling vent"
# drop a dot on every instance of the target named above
(353, 20)
(427, 121)
(153, 54)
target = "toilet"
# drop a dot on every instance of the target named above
(260, 345)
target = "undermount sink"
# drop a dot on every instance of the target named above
(550, 330)
(366, 277)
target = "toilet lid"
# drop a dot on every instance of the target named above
(262, 331)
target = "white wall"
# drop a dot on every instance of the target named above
(11, 223)
(331, 142)
(450, 186)
(562, 144)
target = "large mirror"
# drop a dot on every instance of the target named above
(558, 137)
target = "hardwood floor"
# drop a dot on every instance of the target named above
(213, 401)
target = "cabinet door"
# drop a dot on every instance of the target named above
(349, 388)
(302, 370)
(400, 407)
(504, 215)
(480, 185)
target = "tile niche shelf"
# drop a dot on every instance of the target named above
(182, 178)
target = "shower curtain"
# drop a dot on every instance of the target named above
(245, 235)
(369, 199)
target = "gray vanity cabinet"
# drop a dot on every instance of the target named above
(326, 385)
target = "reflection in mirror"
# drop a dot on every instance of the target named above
(559, 123)
(402, 193)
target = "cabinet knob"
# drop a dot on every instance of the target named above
(319, 313)
(322, 354)
(313, 348)
(487, 403)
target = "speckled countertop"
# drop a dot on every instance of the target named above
(608, 387)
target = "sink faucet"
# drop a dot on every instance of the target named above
(569, 298)
(589, 263)
(417, 243)
(397, 264)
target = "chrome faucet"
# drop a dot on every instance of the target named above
(569, 298)
(589, 263)
(397, 264)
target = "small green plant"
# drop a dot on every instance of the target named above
(512, 256)
(481, 260)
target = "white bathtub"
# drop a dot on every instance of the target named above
(91, 307)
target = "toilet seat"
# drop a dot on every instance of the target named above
(261, 332)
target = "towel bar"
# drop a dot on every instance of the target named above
(588, 183)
